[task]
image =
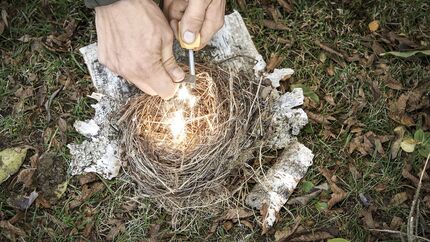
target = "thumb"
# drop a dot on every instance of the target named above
(192, 21)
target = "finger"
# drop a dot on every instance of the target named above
(192, 21)
(162, 83)
(174, 26)
(169, 63)
(214, 20)
(176, 10)
(142, 85)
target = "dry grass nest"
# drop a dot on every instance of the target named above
(193, 173)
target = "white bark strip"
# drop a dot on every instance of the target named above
(279, 182)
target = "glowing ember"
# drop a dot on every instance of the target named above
(177, 126)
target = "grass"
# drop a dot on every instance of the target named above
(341, 24)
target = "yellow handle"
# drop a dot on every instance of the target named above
(184, 45)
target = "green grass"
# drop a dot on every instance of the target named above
(341, 24)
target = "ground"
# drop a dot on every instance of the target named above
(355, 99)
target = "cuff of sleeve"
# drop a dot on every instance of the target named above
(98, 3)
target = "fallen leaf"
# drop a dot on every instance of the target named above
(395, 147)
(7, 226)
(25, 176)
(23, 202)
(408, 145)
(377, 48)
(307, 92)
(4, 16)
(314, 192)
(88, 190)
(286, 6)
(43, 202)
(237, 213)
(11, 160)
(264, 212)
(227, 225)
(115, 230)
(274, 61)
(319, 118)
(396, 223)
(330, 100)
(284, 234)
(374, 25)
(394, 84)
(154, 232)
(273, 25)
(247, 224)
(330, 70)
(61, 189)
(321, 206)
(338, 240)
(312, 236)
(2, 27)
(368, 219)
(399, 198)
(88, 178)
(406, 54)
(338, 194)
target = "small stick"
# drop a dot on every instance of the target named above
(410, 227)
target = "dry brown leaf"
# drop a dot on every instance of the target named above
(227, 225)
(407, 120)
(8, 227)
(22, 202)
(2, 27)
(25, 176)
(338, 194)
(212, 229)
(396, 223)
(273, 25)
(394, 84)
(380, 187)
(374, 25)
(330, 100)
(377, 48)
(264, 212)
(247, 224)
(4, 17)
(88, 178)
(88, 190)
(237, 213)
(319, 118)
(274, 61)
(115, 230)
(399, 198)
(312, 236)
(43, 202)
(330, 70)
(368, 219)
(286, 6)
(284, 234)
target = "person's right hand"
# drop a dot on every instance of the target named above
(135, 41)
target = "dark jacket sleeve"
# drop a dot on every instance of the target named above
(97, 3)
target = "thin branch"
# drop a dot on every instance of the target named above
(410, 227)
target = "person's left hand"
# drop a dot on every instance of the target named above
(204, 17)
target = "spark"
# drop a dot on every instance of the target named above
(177, 126)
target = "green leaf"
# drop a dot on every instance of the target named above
(408, 145)
(406, 54)
(10, 161)
(419, 136)
(338, 240)
(307, 186)
(320, 206)
(424, 150)
(307, 92)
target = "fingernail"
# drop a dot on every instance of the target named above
(189, 37)
(178, 74)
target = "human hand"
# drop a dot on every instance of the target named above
(135, 41)
(204, 17)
